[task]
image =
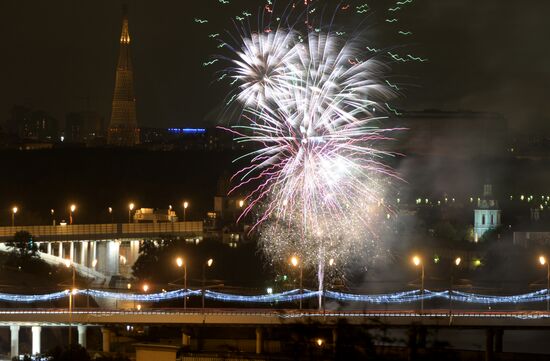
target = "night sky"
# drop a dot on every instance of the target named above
(60, 56)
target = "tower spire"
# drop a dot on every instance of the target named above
(123, 130)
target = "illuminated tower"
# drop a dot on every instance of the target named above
(123, 130)
(486, 214)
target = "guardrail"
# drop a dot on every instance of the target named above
(104, 231)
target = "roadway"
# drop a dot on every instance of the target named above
(263, 317)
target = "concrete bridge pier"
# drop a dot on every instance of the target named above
(14, 331)
(489, 344)
(259, 340)
(185, 338)
(36, 331)
(499, 335)
(106, 339)
(82, 335)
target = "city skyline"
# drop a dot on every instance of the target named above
(72, 62)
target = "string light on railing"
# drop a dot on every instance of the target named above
(289, 296)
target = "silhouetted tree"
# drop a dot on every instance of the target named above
(23, 245)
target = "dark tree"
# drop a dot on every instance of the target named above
(23, 245)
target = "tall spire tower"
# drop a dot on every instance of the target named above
(123, 130)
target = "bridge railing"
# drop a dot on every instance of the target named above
(103, 231)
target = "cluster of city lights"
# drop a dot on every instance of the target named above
(289, 296)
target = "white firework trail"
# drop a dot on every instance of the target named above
(313, 112)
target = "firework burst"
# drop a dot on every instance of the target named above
(313, 106)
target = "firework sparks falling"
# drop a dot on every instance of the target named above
(313, 101)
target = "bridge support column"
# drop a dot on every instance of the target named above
(14, 330)
(259, 340)
(60, 246)
(71, 251)
(81, 335)
(49, 248)
(83, 253)
(185, 339)
(106, 339)
(36, 330)
(489, 344)
(93, 252)
(499, 335)
(334, 340)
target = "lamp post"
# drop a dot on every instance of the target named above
(72, 208)
(13, 212)
(52, 212)
(110, 209)
(543, 261)
(185, 205)
(456, 264)
(295, 262)
(204, 265)
(418, 262)
(130, 209)
(181, 263)
(70, 264)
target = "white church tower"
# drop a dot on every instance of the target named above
(486, 214)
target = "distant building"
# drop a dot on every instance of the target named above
(529, 239)
(150, 215)
(84, 127)
(123, 129)
(450, 133)
(486, 214)
(200, 139)
(30, 124)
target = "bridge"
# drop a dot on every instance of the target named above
(97, 232)
(100, 251)
(494, 322)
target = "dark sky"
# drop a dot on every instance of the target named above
(60, 56)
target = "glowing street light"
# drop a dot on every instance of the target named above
(145, 287)
(72, 208)
(543, 261)
(417, 261)
(241, 203)
(208, 264)
(13, 212)
(130, 209)
(181, 263)
(457, 262)
(185, 205)
(110, 210)
(295, 262)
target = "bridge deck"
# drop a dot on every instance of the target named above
(404, 318)
(84, 232)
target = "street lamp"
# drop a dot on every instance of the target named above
(52, 212)
(185, 205)
(13, 212)
(70, 264)
(417, 261)
(130, 209)
(241, 203)
(543, 261)
(145, 287)
(110, 209)
(456, 263)
(181, 263)
(72, 208)
(208, 264)
(295, 262)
